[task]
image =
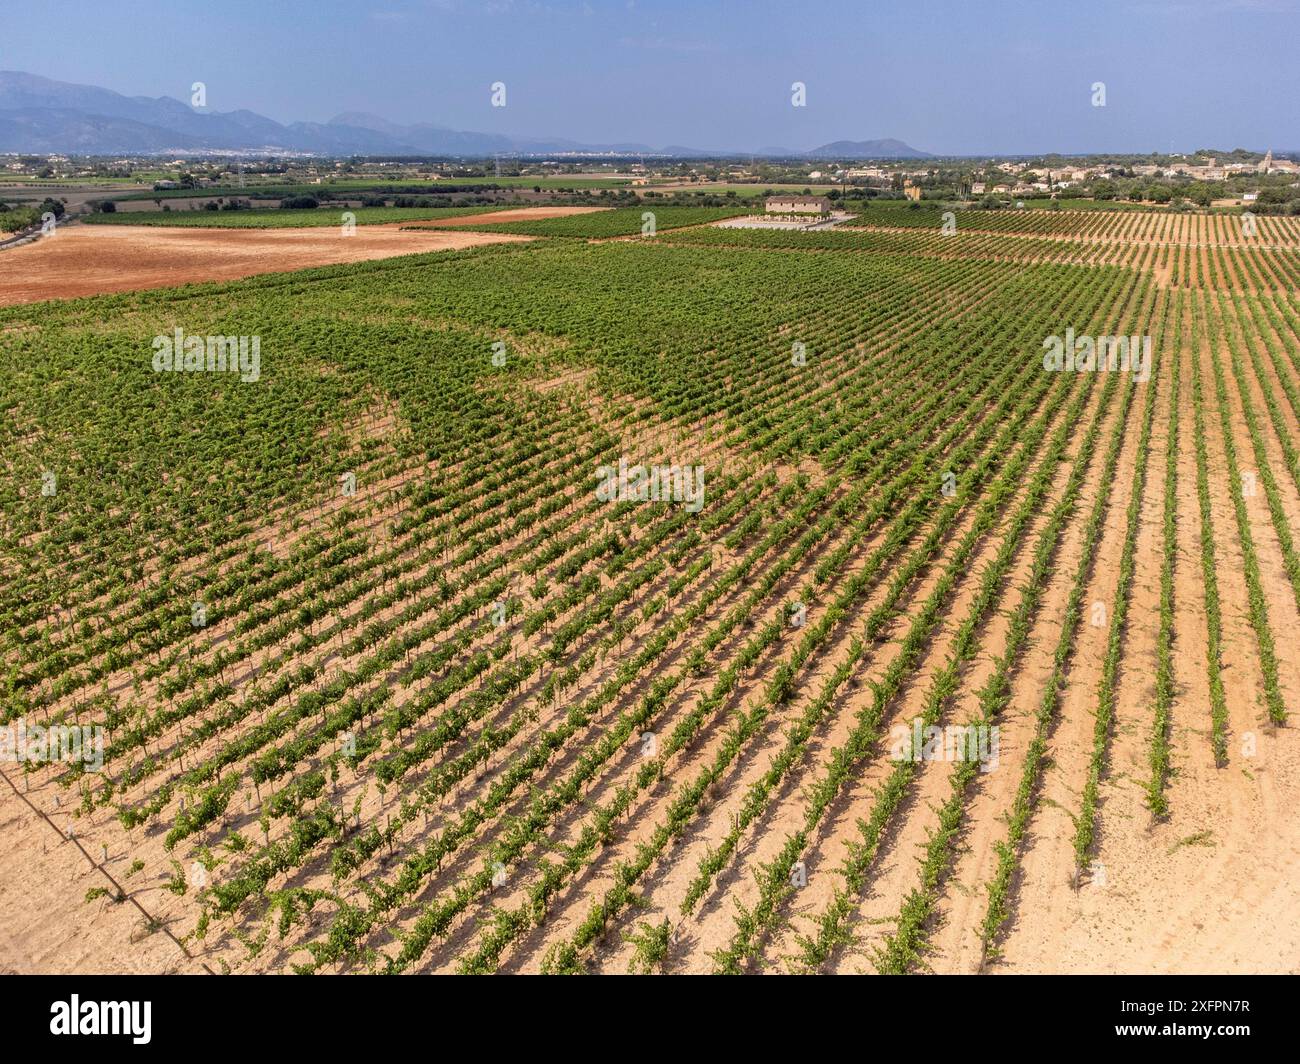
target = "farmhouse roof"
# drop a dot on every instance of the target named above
(820, 201)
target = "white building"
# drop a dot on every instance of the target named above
(798, 205)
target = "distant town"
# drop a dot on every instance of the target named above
(30, 185)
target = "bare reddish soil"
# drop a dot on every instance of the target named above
(85, 260)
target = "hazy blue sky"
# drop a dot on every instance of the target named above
(947, 76)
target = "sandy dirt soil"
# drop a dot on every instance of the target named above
(38, 892)
(86, 260)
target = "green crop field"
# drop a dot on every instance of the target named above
(284, 219)
(1013, 220)
(259, 188)
(577, 182)
(742, 190)
(620, 221)
(567, 606)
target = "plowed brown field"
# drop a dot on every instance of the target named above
(85, 260)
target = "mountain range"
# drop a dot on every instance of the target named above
(41, 116)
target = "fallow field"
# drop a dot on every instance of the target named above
(389, 682)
